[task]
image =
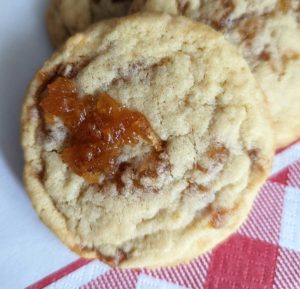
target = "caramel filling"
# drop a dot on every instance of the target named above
(219, 217)
(218, 153)
(284, 5)
(99, 128)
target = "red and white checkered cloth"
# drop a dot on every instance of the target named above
(265, 253)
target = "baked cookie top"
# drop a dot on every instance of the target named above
(67, 17)
(268, 35)
(184, 170)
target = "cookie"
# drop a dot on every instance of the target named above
(145, 140)
(268, 35)
(66, 17)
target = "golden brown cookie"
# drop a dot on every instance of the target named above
(66, 17)
(268, 35)
(145, 140)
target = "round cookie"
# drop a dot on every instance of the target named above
(185, 180)
(67, 17)
(268, 35)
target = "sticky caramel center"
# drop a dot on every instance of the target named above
(99, 127)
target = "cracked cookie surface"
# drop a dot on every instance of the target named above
(169, 200)
(267, 33)
(67, 17)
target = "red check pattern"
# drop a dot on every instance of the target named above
(256, 257)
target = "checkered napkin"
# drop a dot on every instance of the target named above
(263, 254)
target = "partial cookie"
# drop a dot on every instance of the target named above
(67, 17)
(268, 35)
(145, 140)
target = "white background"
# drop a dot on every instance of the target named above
(28, 250)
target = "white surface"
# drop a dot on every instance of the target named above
(286, 158)
(290, 227)
(148, 282)
(81, 276)
(26, 246)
